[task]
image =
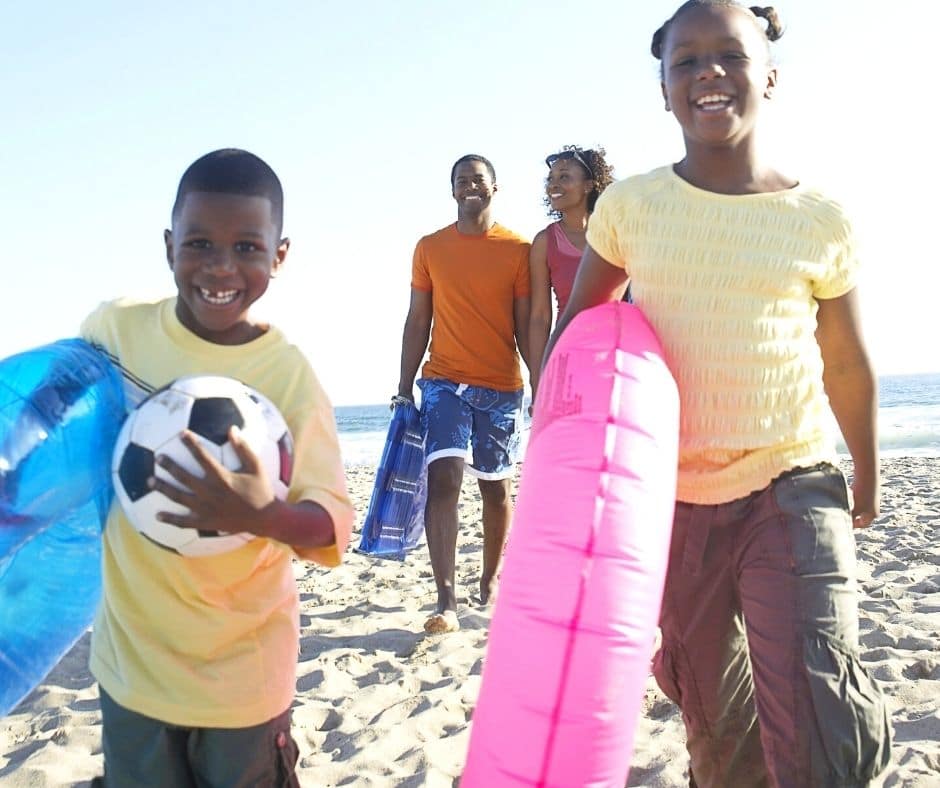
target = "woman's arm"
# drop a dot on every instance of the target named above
(597, 282)
(540, 315)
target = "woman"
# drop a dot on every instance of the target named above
(576, 178)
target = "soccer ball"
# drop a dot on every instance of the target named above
(207, 406)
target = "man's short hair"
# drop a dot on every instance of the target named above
(233, 171)
(472, 157)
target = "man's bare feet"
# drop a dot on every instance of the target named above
(442, 623)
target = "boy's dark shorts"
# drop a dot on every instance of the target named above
(147, 753)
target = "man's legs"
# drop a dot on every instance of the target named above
(440, 524)
(497, 514)
(454, 415)
(446, 422)
(497, 422)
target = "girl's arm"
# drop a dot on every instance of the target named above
(853, 396)
(596, 282)
(540, 316)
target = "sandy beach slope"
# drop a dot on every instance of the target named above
(380, 704)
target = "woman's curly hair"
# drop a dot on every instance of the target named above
(601, 172)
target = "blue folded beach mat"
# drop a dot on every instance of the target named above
(394, 523)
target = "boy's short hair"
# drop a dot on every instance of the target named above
(233, 171)
(472, 157)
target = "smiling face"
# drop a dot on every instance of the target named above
(473, 188)
(567, 185)
(223, 250)
(716, 73)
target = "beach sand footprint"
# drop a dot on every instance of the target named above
(380, 704)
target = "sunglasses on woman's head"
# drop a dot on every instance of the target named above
(570, 154)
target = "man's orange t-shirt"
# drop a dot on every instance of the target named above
(473, 281)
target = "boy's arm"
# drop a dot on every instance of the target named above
(414, 340)
(851, 386)
(224, 500)
(301, 525)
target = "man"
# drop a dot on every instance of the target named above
(470, 296)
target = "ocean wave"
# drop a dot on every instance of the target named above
(908, 429)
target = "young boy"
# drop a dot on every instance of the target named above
(195, 656)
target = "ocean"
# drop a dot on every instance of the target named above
(908, 421)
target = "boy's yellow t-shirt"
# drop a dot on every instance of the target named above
(210, 641)
(730, 285)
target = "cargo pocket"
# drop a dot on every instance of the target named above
(850, 712)
(666, 675)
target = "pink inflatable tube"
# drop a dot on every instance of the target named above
(572, 633)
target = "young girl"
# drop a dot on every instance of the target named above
(749, 278)
(576, 178)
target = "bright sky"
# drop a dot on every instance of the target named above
(362, 106)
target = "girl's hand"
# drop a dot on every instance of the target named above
(221, 500)
(866, 502)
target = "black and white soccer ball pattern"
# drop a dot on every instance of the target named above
(208, 406)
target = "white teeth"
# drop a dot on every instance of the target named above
(218, 298)
(555, 195)
(713, 98)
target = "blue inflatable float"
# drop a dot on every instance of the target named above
(395, 520)
(61, 407)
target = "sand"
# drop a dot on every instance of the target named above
(380, 704)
